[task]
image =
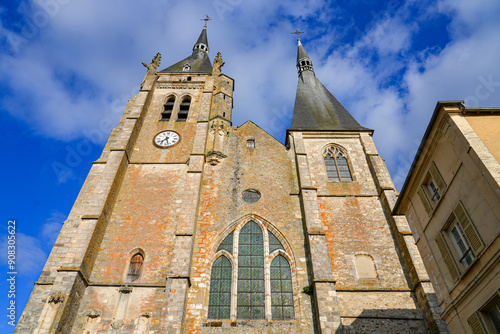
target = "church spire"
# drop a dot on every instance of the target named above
(199, 61)
(315, 107)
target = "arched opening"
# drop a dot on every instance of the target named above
(134, 269)
(168, 108)
(184, 109)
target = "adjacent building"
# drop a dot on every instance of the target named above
(451, 199)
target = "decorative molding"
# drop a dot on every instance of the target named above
(180, 86)
(94, 313)
(117, 325)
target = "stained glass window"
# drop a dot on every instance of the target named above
(281, 289)
(220, 289)
(227, 244)
(274, 243)
(251, 296)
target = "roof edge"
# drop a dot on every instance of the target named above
(430, 126)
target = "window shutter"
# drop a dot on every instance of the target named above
(475, 324)
(469, 229)
(425, 200)
(438, 178)
(448, 259)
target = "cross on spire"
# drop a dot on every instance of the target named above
(206, 19)
(297, 32)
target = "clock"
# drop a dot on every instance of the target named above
(167, 139)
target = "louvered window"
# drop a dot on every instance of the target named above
(184, 109)
(168, 108)
(254, 291)
(460, 242)
(337, 166)
(134, 269)
(432, 189)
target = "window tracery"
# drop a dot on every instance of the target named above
(336, 163)
(251, 277)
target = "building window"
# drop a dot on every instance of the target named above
(251, 195)
(337, 166)
(487, 319)
(168, 108)
(250, 143)
(186, 67)
(134, 268)
(220, 289)
(432, 189)
(255, 294)
(459, 242)
(184, 109)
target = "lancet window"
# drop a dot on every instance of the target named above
(184, 109)
(336, 163)
(168, 108)
(134, 268)
(251, 263)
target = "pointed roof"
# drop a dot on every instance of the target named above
(198, 62)
(315, 107)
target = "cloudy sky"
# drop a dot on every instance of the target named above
(67, 69)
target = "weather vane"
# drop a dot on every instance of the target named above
(206, 19)
(297, 32)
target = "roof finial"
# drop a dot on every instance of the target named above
(206, 19)
(297, 32)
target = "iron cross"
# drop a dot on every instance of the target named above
(206, 19)
(297, 32)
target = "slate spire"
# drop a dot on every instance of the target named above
(198, 62)
(315, 107)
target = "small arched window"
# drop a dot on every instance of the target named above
(134, 269)
(337, 166)
(168, 108)
(184, 109)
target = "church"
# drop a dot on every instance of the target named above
(188, 224)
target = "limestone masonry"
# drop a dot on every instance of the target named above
(187, 224)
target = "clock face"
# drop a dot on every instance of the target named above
(167, 138)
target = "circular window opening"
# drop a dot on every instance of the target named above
(251, 195)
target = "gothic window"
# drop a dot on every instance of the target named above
(168, 108)
(281, 289)
(134, 269)
(220, 289)
(251, 273)
(184, 109)
(254, 250)
(337, 166)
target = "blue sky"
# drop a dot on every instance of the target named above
(67, 69)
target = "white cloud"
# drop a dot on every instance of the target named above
(50, 230)
(81, 67)
(30, 255)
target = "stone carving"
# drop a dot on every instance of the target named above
(218, 63)
(214, 157)
(117, 325)
(125, 289)
(56, 298)
(94, 313)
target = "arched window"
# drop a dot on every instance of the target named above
(254, 250)
(337, 166)
(168, 108)
(134, 269)
(220, 289)
(184, 109)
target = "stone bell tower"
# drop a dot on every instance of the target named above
(188, 224)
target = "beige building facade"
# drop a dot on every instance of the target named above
(188, 224)
(451, 199)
